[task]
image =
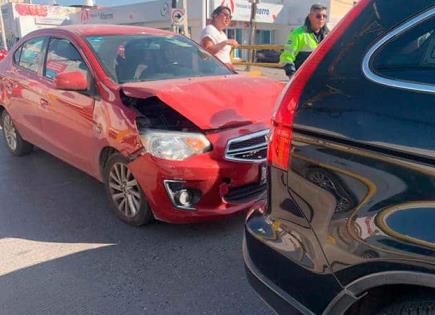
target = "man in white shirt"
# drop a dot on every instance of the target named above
(213, 37)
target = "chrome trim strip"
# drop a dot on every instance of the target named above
(257, 134)
(428, 88)
(247, 149)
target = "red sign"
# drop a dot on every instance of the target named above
(31, 9)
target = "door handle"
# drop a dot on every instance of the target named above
(9, 87)
(43, 102)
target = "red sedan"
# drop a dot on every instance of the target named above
(3, 53)
(172, 132)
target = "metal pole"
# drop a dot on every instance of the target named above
(185, 21)
(174, 6)
(2, 25)
(204, 14)
(252, 33)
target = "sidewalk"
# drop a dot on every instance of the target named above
(274, 73)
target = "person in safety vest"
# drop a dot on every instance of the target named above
(304, 39)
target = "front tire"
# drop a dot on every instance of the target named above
(14, 142)
(124, 192)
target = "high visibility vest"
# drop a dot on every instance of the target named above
(299, 45)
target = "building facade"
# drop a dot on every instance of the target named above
(274, 18)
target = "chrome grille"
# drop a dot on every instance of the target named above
(248, 148)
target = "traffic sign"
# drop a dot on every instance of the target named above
(177, 16)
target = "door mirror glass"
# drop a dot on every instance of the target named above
(71, 81)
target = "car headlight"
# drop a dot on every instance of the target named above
(174, 145)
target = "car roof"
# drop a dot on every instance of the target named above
(109, 29)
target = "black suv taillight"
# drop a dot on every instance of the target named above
(281, 132)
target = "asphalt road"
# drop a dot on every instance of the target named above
(63, 252)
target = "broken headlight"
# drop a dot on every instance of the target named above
(174, 145)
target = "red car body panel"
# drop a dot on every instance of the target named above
(3, 54)
(78, 128)
(216, 102)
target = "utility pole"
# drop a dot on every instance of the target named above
(252, 26)
(204, 14)
(2, 25)
(185, 20)
(174, 6)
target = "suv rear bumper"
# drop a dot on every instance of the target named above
(275, 297)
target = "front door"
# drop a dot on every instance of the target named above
(67, 118)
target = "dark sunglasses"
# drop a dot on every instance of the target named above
(319, 16)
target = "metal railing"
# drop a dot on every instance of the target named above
(252, 49)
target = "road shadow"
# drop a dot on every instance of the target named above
(157, 269)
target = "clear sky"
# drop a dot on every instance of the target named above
(97, 2)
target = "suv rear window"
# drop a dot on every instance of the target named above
(410, 56)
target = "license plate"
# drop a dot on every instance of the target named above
(263, 173)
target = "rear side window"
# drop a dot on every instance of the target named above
(31, 54)
(410, 56)
(62, 56)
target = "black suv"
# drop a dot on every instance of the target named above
(349, 225)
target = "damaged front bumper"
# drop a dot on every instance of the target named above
(202, 187)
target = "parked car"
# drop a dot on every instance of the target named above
(3, 53)
(172, 132)
(348, 225)
(267, 55)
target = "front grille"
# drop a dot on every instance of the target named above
(245, 193)
(248, 148)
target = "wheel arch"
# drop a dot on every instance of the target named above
(359, 288)
(104, 156)
(2, 108)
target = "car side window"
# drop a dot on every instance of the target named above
(62, 56)
(410, 56)
(30, 56)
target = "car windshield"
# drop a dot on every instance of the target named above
(132, 58)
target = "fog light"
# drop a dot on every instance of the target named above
(182, 197)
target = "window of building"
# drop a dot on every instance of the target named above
(263, 37)
(236, 33)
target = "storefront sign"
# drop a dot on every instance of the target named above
(38, 10)
(241, 10)
(156, 11)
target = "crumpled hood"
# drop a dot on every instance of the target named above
(214, 102)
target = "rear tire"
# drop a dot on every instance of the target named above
(125, 193)
(420, 306)
(14, 142)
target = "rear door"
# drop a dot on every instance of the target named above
(362, 166)
(22, 82)
(67, 116)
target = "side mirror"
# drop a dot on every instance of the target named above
(71, 81)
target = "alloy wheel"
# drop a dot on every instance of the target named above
(124, 190)
(10, 132)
